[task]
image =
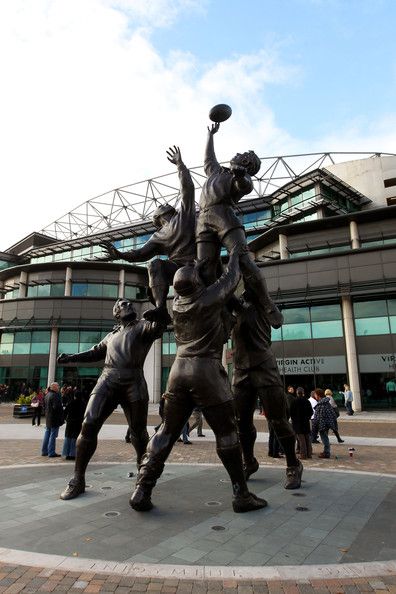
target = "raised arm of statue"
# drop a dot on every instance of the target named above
(187, 189)
(211, 164)
(96, 353)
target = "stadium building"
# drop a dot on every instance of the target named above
(321, 226)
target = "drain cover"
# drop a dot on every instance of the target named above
(98, 472)
(301, 508)
(218, 527)
(130, 475)
(298, 494)
(112, 514)
(88, 486)
(106, 488)
(213, 503)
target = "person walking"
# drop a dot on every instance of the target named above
(313, 402)
(53, 420)
(324, 419)
(74, 415)
(37, 405)
(334, 406)
(196, 421)
(301, 413)
(348, 399)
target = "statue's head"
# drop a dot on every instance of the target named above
(123, 310)
(162, 215)
(249, 160)
(187, 280)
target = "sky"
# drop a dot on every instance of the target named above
(94, 91)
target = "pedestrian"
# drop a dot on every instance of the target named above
(196, 421)
(313, 402)
(324, 419)
(74, 415)
(37, 404)
(348, 399)
(301, 412)
(53, 420)
(334, 406)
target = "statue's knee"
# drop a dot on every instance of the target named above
(225, 442)
(89, 430)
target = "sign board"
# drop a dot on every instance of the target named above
(310, 365)
(377, 363)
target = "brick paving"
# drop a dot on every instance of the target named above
(19, 578)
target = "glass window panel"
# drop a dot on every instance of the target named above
(91, 336)
(296, 331)
(40, 348)
(6, 348)
(22, 337)
(43, 290)
(296, 315)
(370, 326)
(57, 290)
(328, 329)
(392, 320)
(79, 289)
(69, 336)
(94, 290)
(276, 334)
(392, 307)
(85, 346)
(130, 292)
(68, 347)
(110, 291)
(368, 309)
(7, 337)
(41, 336)
(32, 292)
(21, 348)
(321, 313)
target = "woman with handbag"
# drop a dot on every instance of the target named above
(333, 404)
(37, 405)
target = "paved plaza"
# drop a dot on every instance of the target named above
(336, 534)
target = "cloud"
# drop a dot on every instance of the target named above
(88, 104)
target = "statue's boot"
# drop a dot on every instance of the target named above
(293, 476)
(245, 502)
(75, 487)
(141, 499)
(251, 468)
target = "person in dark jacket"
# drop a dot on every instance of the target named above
(74, 409)
(301, 413)
(53, 420)
(324, 419)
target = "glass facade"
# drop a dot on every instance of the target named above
(13, 294)
(375, 317)
(50, 290)
(32, 342)
(168, 343)
(256, 219)
(305, 323)
(75, 341)
(135, 292)
(105, 290)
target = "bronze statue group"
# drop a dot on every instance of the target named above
(203, 315)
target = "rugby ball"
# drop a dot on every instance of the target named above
(220, 113)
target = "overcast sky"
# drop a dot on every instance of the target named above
(94, 91)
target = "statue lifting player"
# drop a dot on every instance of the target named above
(175, 238)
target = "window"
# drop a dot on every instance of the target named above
(168, 343)
(47, 290)
(106, 290)
(374, 317)
(135, 292)
(35, 342)
(304, 323)
(255, 219)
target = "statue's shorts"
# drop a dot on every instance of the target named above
(202, 380)
(214, 222)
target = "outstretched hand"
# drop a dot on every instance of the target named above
(111, 252)
(174, 155)
(213, 128)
